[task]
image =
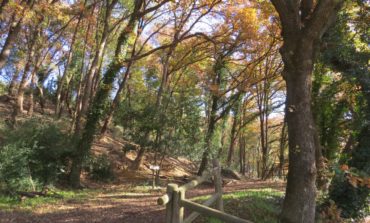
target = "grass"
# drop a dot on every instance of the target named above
(9, 203)
(257, 205)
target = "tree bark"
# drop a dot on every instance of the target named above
(78, 105)
(208, 140)
(24, 81)
(233, 137)
(41, 97)
(299, 203)
(61, 83)
(158, 105)
(283, 139)
(262, 97)
(212, 118)
(13, 83)
(13, 32)
(37, 63)
(117, 98)
(210, 129)
(223, 137)
(32, 93)
(139, 158)
(242, 154)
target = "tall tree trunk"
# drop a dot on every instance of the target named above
(24, 82)
(204, 162)
(97, 108)
(158, 105)
(13, 83)
(97, 77)
(139, 158)
(303, 24)
(115, 102)
(117, 98)
(61, 83)
(37, 63)
(223, 137)
(94, 67)
(242, 154)
(283, 140)
(299, 203)
(233, 137)
(33, 58)
(217, 69)
(14, 29)
(80, 82)
(263, 107)
(13, 32)
(40, 90)
(322, 177)
(32, 93)
(209, 136)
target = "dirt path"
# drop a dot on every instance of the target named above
(115, 206)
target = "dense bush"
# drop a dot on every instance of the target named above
(100, 168)
(351, 200)
(350, 187)
(33, 155)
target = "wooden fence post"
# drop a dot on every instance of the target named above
(218, 184)
(178, 210)
(171, 188)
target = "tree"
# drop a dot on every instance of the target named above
(229, 75)
(268, 70)
(93, 69)
(303, 24)
(14, 29)
(100, 100)
(181, 31)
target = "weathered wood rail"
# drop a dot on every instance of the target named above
(175, 201)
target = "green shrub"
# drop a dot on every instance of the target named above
(100, 168)
(352, 200)
(256, 205)
(15, 172)
(33, 155)
(352, 197)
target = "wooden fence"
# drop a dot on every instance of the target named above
(175, 201)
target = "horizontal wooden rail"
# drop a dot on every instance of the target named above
(207, 203)
(197, 181)
(193, 183)
(163, 200)
(176, 202)
(211, 212)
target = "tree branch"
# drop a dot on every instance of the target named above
(322, 17)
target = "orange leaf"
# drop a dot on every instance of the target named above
(344, 167)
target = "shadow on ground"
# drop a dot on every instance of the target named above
(112, 207)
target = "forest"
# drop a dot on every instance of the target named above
(106, 105)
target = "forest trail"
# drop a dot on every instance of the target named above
(115, 204)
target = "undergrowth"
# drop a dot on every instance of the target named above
(9, 203)
(256, 205)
